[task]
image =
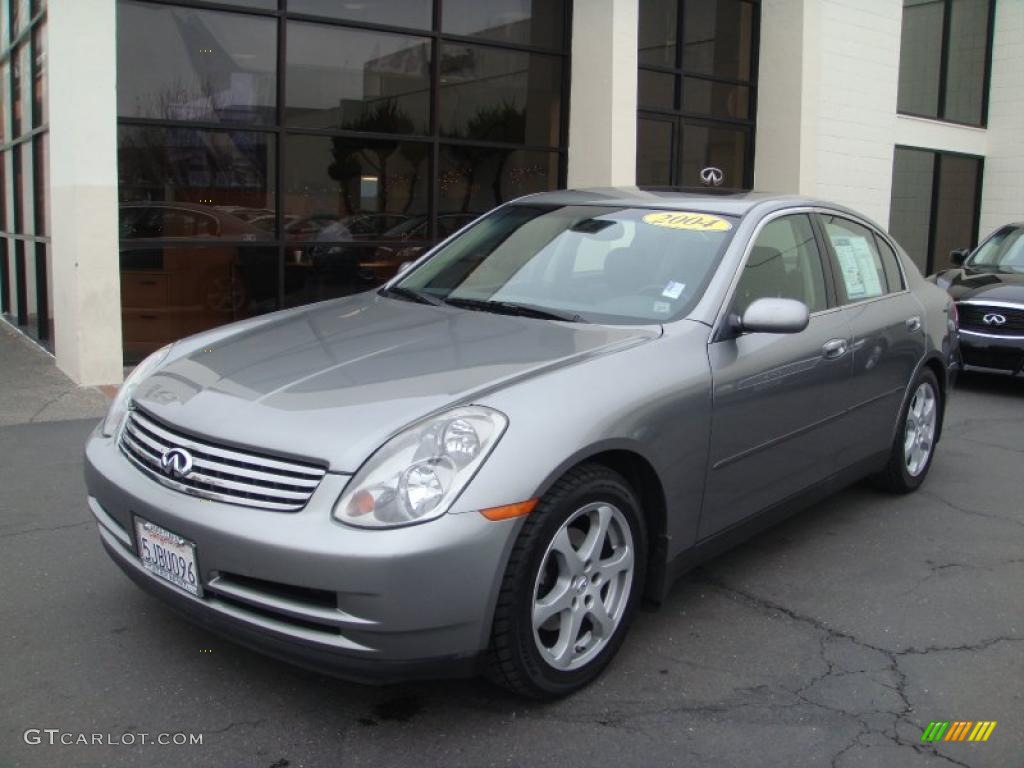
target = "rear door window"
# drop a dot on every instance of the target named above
(860, 273)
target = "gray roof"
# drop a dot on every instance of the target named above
(701, 200)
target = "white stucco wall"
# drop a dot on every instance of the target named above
(1003, 191)
(83, 189)
(827, 100)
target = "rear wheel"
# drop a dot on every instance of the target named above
(571, 587)
(914, 446)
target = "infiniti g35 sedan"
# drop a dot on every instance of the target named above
(988, 288)
(486, 464)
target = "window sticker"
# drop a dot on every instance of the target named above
(697, 222)
(673, 290)
(662, 307)
(858, 264)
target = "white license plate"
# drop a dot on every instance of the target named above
(167, 555)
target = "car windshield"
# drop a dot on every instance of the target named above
(1003, 251)
(588, 263)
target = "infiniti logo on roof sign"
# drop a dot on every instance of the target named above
(711, 176)
(176, 462)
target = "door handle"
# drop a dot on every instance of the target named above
(833, 349)
(914, 324)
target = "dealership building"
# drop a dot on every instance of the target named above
(167, 167)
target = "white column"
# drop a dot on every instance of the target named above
(787, 97)
(1002, 199)
(83, 189)
(602, 109)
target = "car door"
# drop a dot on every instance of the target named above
(776, 397)
(887, 326)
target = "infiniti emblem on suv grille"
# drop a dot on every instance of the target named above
(176, 462)
(994, 319)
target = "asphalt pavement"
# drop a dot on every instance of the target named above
(830, 640)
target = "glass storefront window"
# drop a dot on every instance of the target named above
(659, 21)
(40, 101)
(718, 38)
(215, 66)
(21, 79)
(654, 151)
(169, 291)
(475, 179)
(494, 94)
(349, 79)
(19, 15)
(656, 90)
(525, 22)
(25, 292)
(25, 189)
(183, 182)
(41, 199)
(935, 204)
(945, 53)
(360, 162)
(694, 100)
(340, 188)
(415, 14)
(911, 202)
(717, 145)
(707, 97)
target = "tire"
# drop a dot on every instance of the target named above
(591, 600)
(908, 466)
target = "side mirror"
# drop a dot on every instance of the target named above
(775, 316)
(959, 256)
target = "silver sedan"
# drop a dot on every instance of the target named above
(486, 464)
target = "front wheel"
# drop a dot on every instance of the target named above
(571, 587)
(914, 446)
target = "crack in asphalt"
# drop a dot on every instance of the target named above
(826, 634)
(968, 510)
(935, 568)
(12, 534)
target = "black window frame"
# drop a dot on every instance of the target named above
(940, 112)
(678, 118)
(280, 129)
(936, 191)
(20, 250)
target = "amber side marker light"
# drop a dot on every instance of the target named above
(510, 510)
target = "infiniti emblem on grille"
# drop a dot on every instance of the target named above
(994, 319)
(711, 176)
(176, 462)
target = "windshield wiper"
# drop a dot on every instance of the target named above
(513, 308)
(410, 294)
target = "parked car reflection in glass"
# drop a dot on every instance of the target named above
(187, 269)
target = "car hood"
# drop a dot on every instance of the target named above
(982, 285)
(332, 381)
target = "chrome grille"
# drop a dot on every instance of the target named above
(972, 317)
(219, 473)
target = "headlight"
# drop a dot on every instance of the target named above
(118, 408)
(417, 474)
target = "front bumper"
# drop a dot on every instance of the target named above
(368, 605)
(991, 351)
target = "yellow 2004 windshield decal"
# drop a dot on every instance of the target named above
(699, 222)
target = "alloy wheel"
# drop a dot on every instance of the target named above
(919, 437)
(583, 586)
